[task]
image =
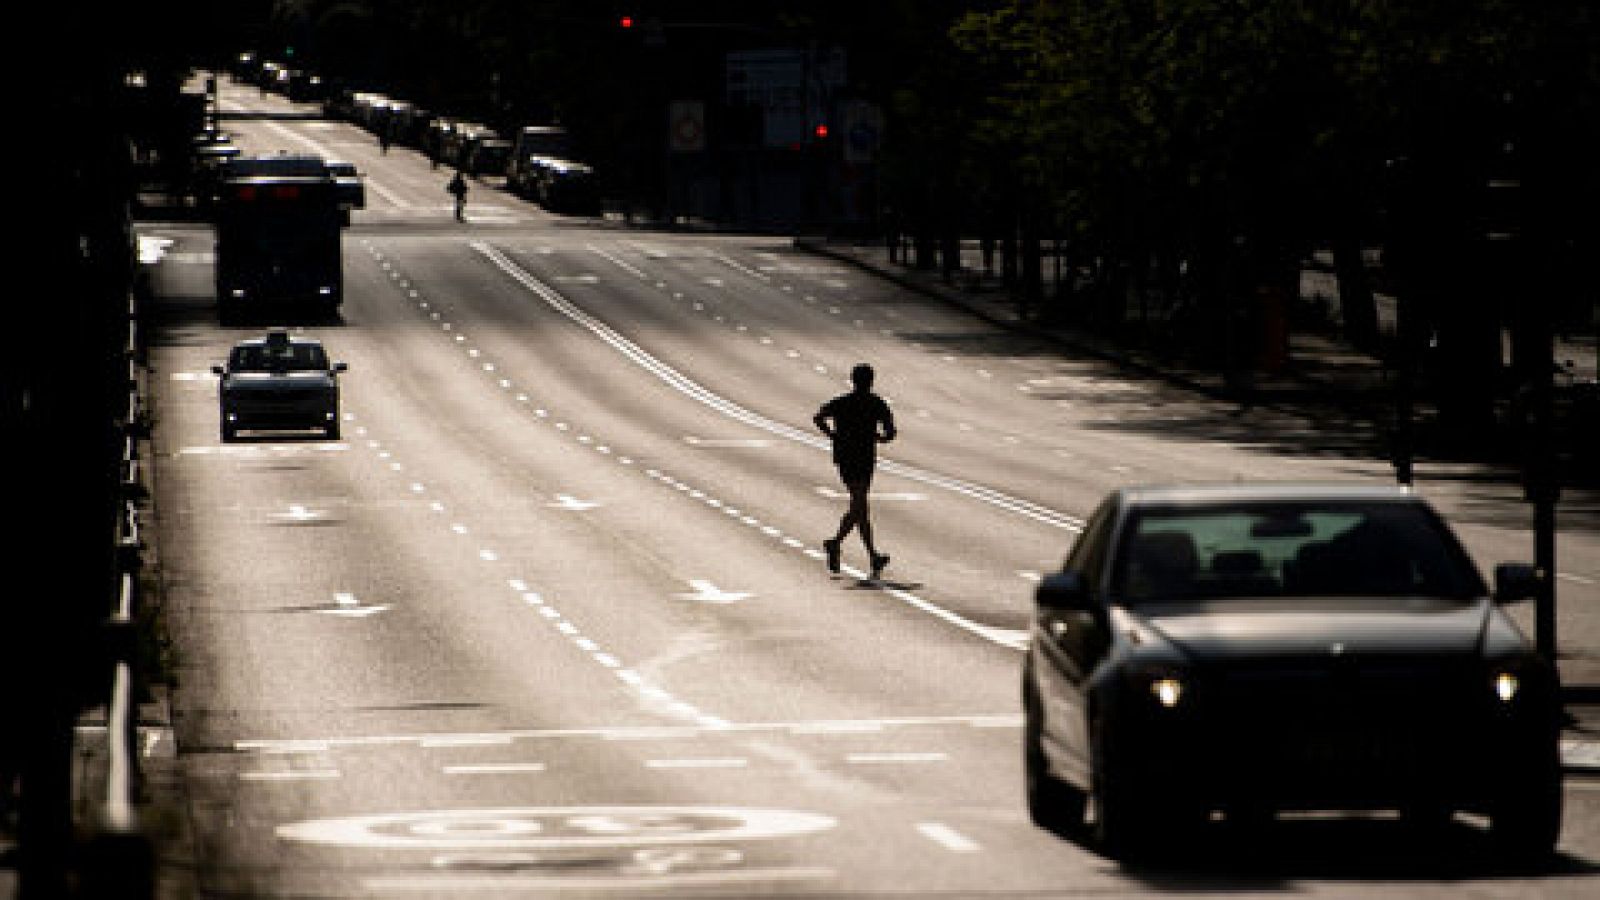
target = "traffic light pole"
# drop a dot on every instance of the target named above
(1516, 240)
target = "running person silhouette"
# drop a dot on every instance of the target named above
(856, 423)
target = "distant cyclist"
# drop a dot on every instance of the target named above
(856, 423)
(458, 188)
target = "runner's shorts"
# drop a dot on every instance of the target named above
(855, 470)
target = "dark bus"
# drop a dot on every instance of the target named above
(278, 230)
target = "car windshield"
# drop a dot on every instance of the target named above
(279, 358)
(1291, 550)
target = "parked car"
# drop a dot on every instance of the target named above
(279, 382)
(533, 142)
(486, 154)
(1258, 648)
(457, 141)
(352, 191)
(568, 187)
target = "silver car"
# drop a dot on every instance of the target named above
(279, 382)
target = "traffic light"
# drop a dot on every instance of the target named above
(625, 21)
(820, 131)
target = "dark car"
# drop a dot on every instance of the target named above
(569, 187)
(1249, 649)
(279, 382)
(486, 154)
(531, 144)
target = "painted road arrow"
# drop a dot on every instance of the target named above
(706, 592)
(569, 502)
(347, 605)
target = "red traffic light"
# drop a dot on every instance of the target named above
(821, 131)
(626, 21)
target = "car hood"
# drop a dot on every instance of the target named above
(278, 381)
(1256, 628)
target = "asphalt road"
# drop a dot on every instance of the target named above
(553, 617)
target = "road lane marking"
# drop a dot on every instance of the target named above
(466, 740)
(947, 837)
(694, 441)
(348, 606)
(706, 592)
(840, 727)
(571, 503)
(687, 386)
(1580, 754)
(299, 513)
(552, 885)
(561, 827)
(517, 768)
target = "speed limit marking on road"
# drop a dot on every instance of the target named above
(521, 828)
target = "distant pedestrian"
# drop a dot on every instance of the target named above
(856, 423)
(458, 188)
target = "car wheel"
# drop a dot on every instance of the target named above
(1053, 804)
(1525, 823)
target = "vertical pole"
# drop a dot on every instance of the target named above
(1543, 487)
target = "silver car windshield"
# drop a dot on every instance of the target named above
(282, 358)
(1291, 550)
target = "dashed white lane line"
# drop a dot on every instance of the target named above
(511, 768)
(947, 837)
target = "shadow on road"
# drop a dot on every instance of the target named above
(1276, 856)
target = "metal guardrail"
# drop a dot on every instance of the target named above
(121, 861)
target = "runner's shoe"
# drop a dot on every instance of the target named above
(832, 549)
(879, 560)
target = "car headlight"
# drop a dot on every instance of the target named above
(1506, 686)
(1168, 691)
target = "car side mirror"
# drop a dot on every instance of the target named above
(1063, 592)
(1514, 582)
(341, 367)
(218, 370)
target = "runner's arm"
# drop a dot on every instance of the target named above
(821, 419)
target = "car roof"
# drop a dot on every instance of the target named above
(1209, 494)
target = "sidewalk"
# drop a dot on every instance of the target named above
(1322, 378)
(1319, 372)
